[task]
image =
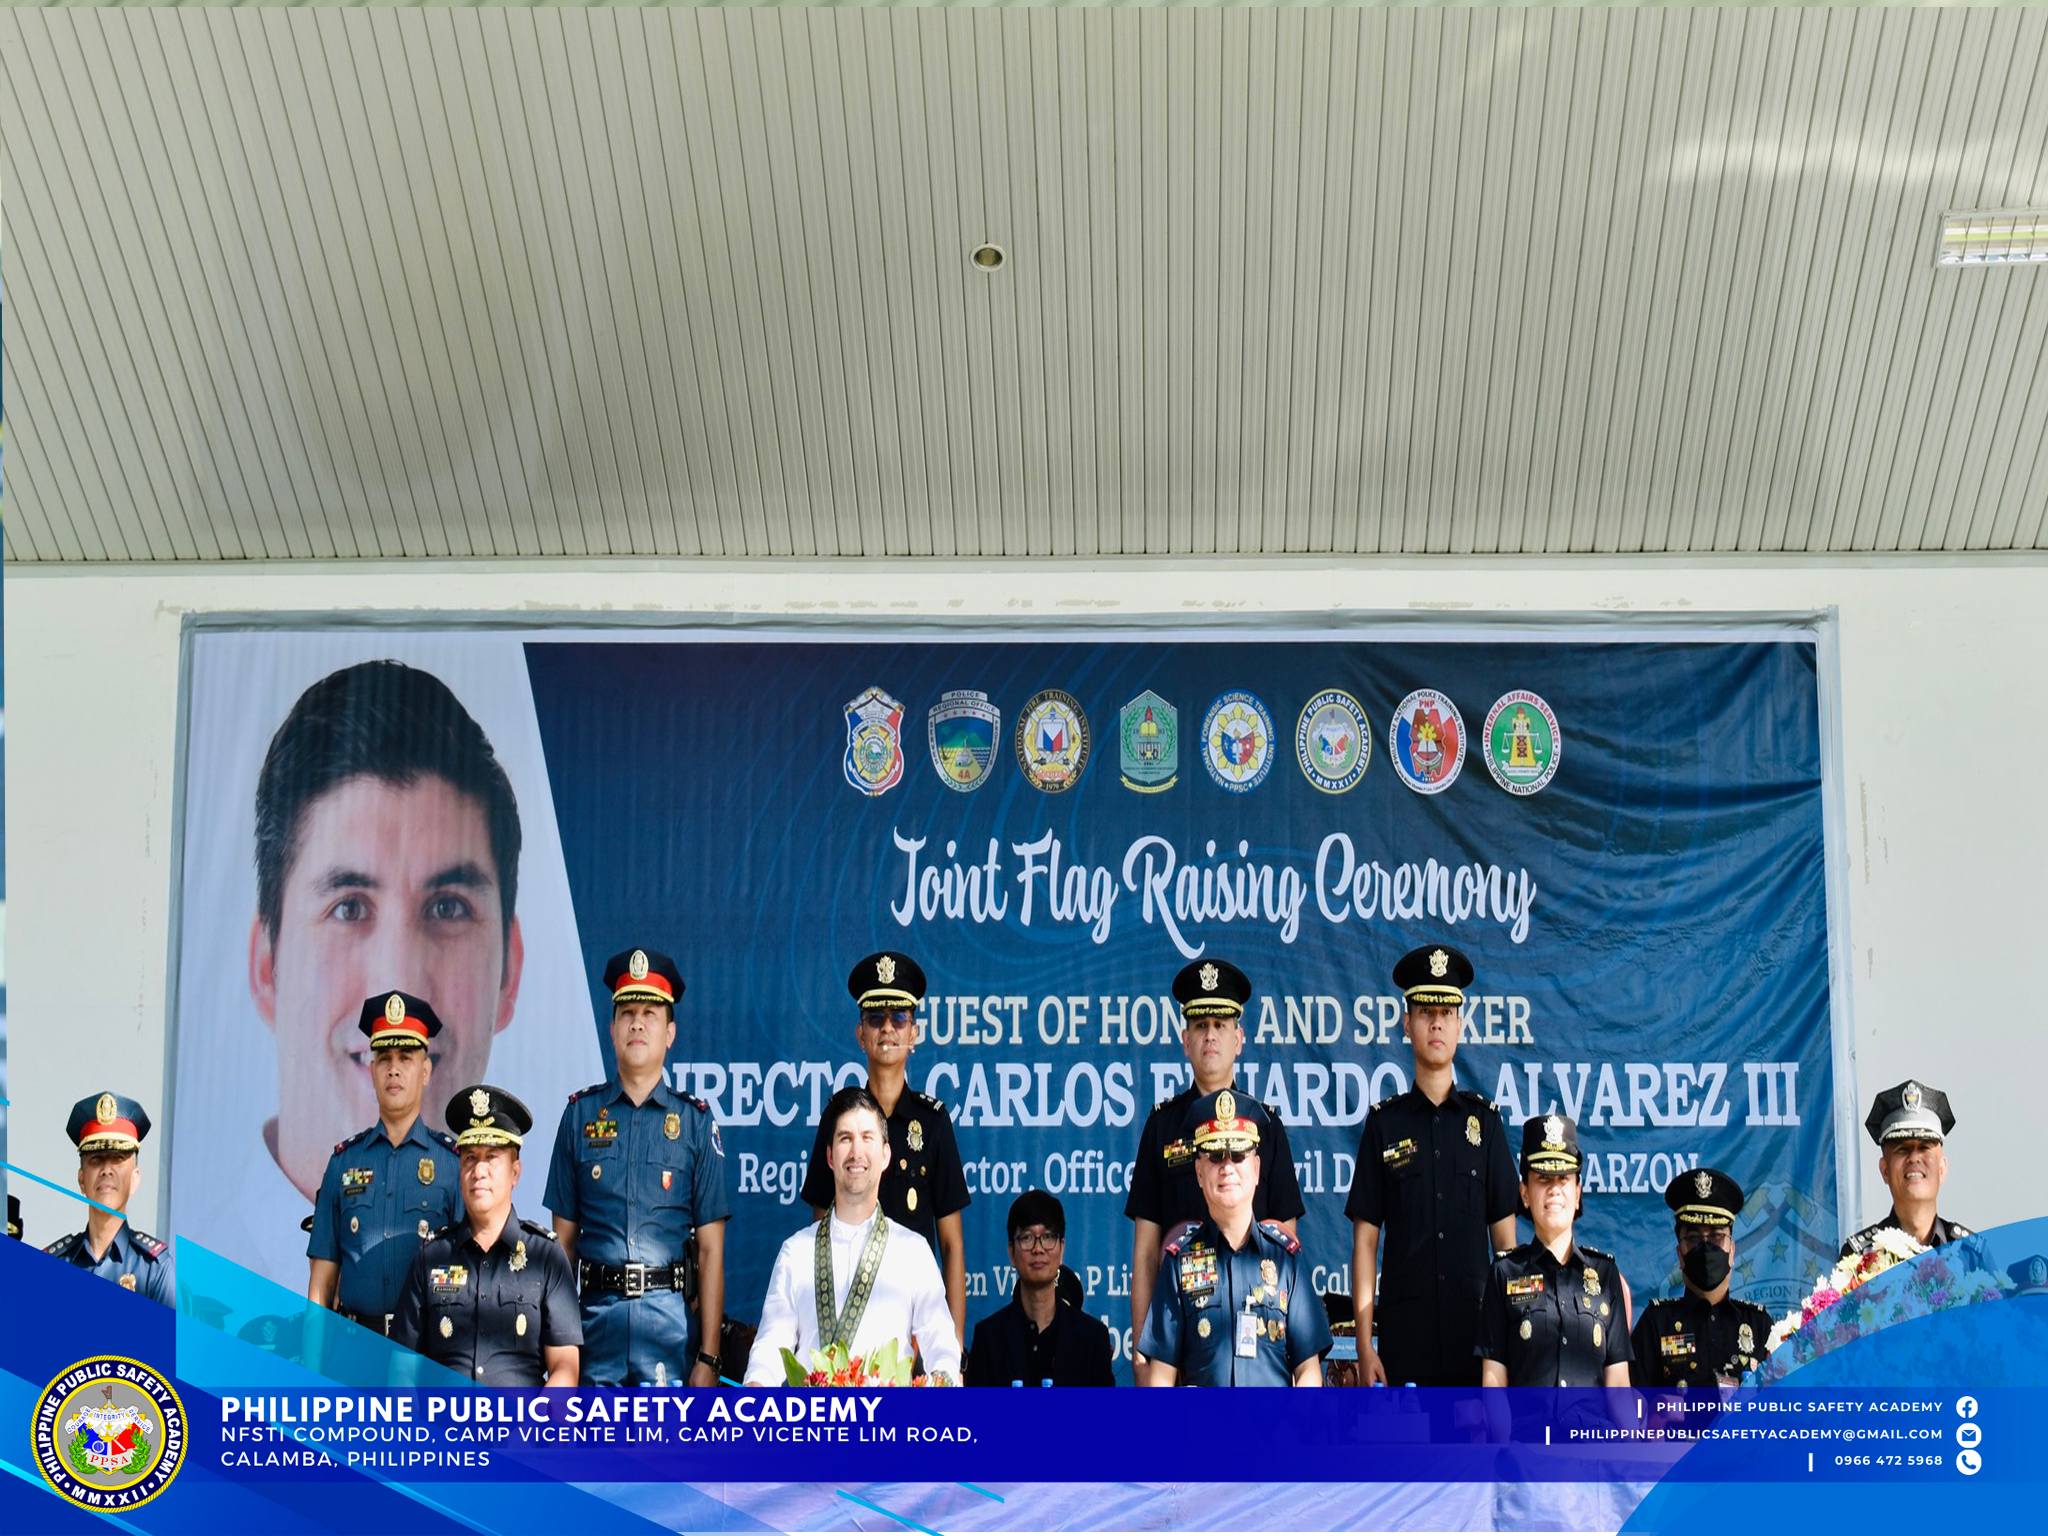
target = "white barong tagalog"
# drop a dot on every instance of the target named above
(908, 1302)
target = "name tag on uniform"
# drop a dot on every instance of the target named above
(601, 1133)
(446, 1282)
(1527, 1285)
(1400, 1154)
(355, 1180)
(1247, 1335)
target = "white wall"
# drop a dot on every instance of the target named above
(1944, 678)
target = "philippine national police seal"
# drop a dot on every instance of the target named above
(1426, 741)
(108, 1434)
(1523, 742)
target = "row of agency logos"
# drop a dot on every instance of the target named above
(1521, 741)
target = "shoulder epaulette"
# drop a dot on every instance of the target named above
(1957, 1229)
(346, 1142)
(444, 1230)
(155, 1247)
(582, 1091)
(1172, 1247)
(703, 1105)
(442, 1137)
(62, 1243)
(1280, 1234)
(1597, 1253)
(537, 1229)
(1383, 1103)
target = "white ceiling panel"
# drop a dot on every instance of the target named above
(302, 284)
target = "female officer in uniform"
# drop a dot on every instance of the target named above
(1555, 1312)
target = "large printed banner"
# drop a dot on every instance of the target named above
(1624, 830)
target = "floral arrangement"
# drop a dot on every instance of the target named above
(1834, 1314)
(886, 1366)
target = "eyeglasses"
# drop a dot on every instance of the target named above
(875, 1018)
(1227, 1157)
(1037, 1240)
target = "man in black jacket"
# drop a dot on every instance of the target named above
(1039, 1339)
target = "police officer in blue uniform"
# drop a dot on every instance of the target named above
(1555, 1312)
(924, 1188)
(638, 1173)
(1164, 1196)
(1705, 1337)
(491, 1296)
(389, 1186)
(1232, 1305)
(108, 1129)
(1435, 1176)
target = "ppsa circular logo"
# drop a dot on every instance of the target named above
(108, 1434)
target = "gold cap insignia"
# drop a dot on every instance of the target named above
(426, 1170)
(2037, 1272)
(519, 1255)
(394, 1009)
(447, 1329)
(106, 1109)
(127, 1282)
(1553, 1131)
(1439, 963)
(1704, 1183)
(1209, 977)
(1226, 1105)
(519, 1326)
(1911, 1097)
(1472, 1129)
(479, 1102)
(1745, 1339)
(672, 1125)
(637, 966)
(885, 970)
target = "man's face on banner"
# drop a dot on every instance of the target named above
(389, 885)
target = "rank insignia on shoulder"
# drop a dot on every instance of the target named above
(1526, 1285)
(1281, 1235)
(61, 1244)
(703, 1105)
(155, 1247)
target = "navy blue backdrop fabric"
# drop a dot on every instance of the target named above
(1649, 928)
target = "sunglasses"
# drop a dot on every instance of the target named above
(1227, 1157)
(875, 1018)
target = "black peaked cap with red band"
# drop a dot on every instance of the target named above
(398, 1019)
(643, 976)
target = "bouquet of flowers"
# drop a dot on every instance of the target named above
(1834, 1314)
(887, 1366)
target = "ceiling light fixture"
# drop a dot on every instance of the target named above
(987, 257)
(1992, 237)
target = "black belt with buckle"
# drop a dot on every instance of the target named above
(376, 1322)
(630, 1280)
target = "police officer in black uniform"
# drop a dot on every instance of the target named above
(492, 1296)
(1555, 1312)
(637, 1188)
(1435, 1175)
(1164, 1196)
(1231, 1303)
(924, 1188)
(390, 1185)
(108, 1130)
(1705, 1337)
(1910, 1124)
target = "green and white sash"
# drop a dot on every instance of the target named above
(841, 1328)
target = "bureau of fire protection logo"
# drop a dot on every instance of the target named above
(108, 1434)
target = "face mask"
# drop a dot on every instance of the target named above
(1705, 1266)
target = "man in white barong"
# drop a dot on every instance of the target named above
(853, 1278)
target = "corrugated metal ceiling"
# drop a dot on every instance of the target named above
(314, 283)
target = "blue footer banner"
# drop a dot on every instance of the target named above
(129, 1413)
